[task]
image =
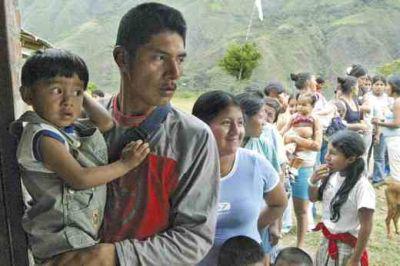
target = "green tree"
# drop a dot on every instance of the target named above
(390, 68)
(240, 60)
(91, 87)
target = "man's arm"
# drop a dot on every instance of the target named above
(193, 215)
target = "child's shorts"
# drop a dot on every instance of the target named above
(300, 185)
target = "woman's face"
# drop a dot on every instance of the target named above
(362, 80)
(255, 124)
(336, 160)
(378, 88)
(228, 130)
(312, 84)
(292, 106)
(270, 114)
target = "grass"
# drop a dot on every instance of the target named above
(184, 100)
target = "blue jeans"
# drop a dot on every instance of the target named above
(379, 160)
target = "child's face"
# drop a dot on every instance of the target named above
(378, 88)
(304, 106)
(336, 160)
(58, 100)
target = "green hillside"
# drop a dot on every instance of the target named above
(322, 36)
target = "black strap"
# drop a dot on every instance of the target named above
(150, 125)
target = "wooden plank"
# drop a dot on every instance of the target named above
(13, 247)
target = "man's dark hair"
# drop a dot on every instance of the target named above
(239, 251)
(140, 23)
(292, 255)
(51, 63)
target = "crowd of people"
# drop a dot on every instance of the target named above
(139, 182)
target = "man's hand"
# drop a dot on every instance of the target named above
(98, 255)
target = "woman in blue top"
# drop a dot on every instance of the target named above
(246, 177)
(391, 128)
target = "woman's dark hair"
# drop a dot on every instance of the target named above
(51, 63)
(394, 82)
(350, 144)
(211, 103)
(274, 86)
(346, 84)
(300, 79)
(311, 96)
(357, 71)
(250, 103)
(377, 78)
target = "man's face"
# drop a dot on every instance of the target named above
(153, 72)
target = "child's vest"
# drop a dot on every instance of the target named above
(58, 218)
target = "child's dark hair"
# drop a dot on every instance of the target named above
(311, 96)
(275, 104)
(350, 144)
(394, 82)
(239, 251)
(300, 79)
(250, 102)
(377, 78)
(141, 22)
(293, 256)
(211, 103)
(51, 63)
(346, 84)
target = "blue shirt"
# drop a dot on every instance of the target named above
(241, 199)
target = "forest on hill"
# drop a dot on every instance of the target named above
(320, 36)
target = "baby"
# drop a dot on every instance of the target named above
(301, 124)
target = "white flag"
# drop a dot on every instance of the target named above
(259, 8)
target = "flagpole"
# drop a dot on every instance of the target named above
(247, 34)
(251, 21)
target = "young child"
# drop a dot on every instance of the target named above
(301, 124)
(337, 122)
(241, 250)
(63, 161)
(348, 201)
(293, 256)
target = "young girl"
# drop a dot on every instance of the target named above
(348, 201)
(304, 131)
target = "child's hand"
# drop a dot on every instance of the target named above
(321, 173)
(274, 234)
(134, 153)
